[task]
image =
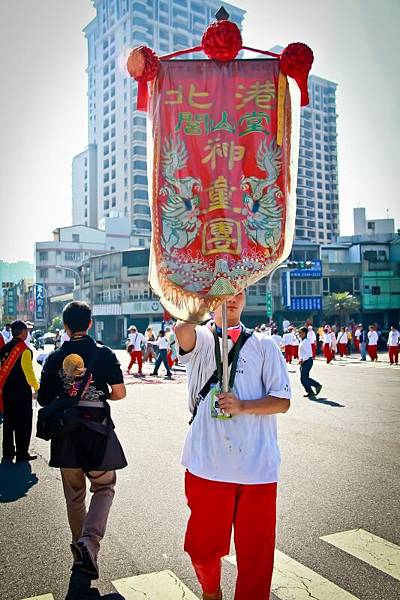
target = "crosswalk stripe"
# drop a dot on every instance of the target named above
(154, 586)
(369, 548)
(293, 581)
(44, 597)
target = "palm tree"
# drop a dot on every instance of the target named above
(342, 304)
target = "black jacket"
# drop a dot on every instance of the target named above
(72, 451)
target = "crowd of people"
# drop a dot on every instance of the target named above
(331, 341)
(147, 347)
(230, 455)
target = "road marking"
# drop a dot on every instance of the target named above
(369, 548)
(293, 581)
(154, 586)
(45, 597)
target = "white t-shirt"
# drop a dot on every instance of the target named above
(372, 338)
(277, 339)
(393, 339)
(136, 339)
(162, 343)
(327, 337)
(285, 324)
(296, 340)
(357, 333)
(288, 338)
(342, 337)
(28, 340)
(312, 338)
(305, 350)
(243, 449)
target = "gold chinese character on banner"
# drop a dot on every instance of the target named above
(261, 94)
(220, 194)
(221, 235)
(199, 95)
(217, 149)
(178, 99)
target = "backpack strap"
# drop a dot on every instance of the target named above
(216, 377)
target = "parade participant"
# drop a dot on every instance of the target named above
(341, 341)
(277, 338)
(57, 340)
(285, 324)
(363, 337)
(306, 363)
(163, 346)
(312, 338)
(136, 339)
(357, 335)
(7, 333)
(92, 451)
(29, 325)
(16, 382)
(295, 343)
(393, 345)
(372, 343)
(288, 344)
(334, 344)
(2, 341)
(173, 347)
(150, 338)
(231, 452)
(64, 338)
(327, 343)
(349, 332)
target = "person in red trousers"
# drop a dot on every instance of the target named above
(393, 345)
(372, 343)
(312, 338)
(327, 343)
(341, 341)
(136, 340)
(288, 345)
(231, 452)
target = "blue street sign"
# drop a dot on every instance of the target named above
(39, 301)
(306, 303)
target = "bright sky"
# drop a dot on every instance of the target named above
(43, 57)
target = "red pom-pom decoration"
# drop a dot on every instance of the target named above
(142, 64)
(222, 40)
(296, 61)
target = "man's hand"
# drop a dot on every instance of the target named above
(229, 403)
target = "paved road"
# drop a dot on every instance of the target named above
(340, 472)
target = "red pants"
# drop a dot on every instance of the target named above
(288, 354)
(136, 355)
(295, 351)
(342, 349)
(394, 354)
(314, 349)
(215, 507)
(327, 353)
(373, 351)
(357, 344)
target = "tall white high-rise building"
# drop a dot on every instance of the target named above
(317, 216)
(117, 131)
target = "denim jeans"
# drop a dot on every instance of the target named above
(363, 350)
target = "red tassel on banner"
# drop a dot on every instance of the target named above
(142, 65)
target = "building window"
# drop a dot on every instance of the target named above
(140, 179)
(43, 255)
(43, 273)
(72, 256)
(141, 195)
(140, 164)
(75, 237)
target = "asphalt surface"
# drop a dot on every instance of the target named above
(340, 471)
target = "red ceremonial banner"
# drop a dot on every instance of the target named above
(223, 178)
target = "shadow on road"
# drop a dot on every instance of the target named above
(15, 480)
(79, 589)
(327, 402)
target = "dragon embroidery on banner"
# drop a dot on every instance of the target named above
(263, 218)
(180, 223)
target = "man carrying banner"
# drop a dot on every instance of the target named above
(16, 382)
(231, 452)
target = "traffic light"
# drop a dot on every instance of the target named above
(302, 264)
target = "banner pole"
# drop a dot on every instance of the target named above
(225, 374)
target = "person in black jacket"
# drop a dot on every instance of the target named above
(92, 450)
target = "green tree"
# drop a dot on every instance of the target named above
(342, 304)
(57, 323)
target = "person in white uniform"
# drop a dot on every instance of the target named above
(372, 343)
(393, 345)
(231, 451)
